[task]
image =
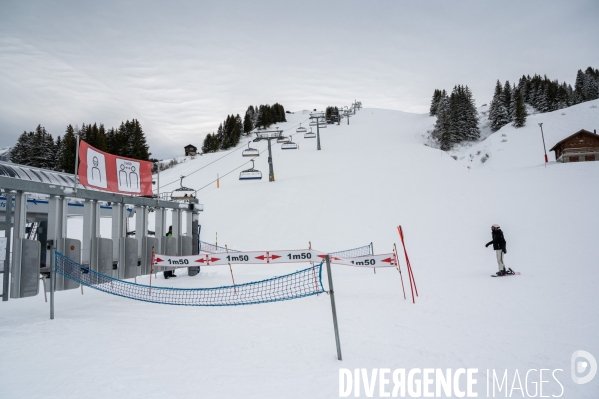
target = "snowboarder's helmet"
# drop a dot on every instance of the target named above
(496, 226)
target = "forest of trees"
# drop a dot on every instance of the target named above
(39, 149)
(229, 132)
(541, 93)
(457, 118)
(331, 114)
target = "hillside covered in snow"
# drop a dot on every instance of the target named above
(370, 176)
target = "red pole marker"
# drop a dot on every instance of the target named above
(408, 260)
(408, 265)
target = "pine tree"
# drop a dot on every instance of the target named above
(22, 151)
(591, 84)
(520, 113)
(498, 114)
(138, 147)
(67, 153)
(57, 153)
(437, 94)
(441, 131)
(41, 146)
(472, 131)
(248, 126)
(579, 86)
(507, 99)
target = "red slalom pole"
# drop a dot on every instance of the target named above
(409, 266)
(399, 270)
(408, 259)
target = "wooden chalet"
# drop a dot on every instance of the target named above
(190, 150)
(579, 147)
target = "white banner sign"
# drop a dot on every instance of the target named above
(384, 260)
(272, 257)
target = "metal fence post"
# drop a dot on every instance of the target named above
(8, 235)
(52, 279)
(333, 308)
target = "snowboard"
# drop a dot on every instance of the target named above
(506, 275)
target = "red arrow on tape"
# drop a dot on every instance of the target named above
(207, 260)
(268, 257)
(159, 260)
(388, 260)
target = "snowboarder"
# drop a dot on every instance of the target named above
(499, 245)
(169, 273)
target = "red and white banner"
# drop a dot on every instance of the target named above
(104, 171)
(383, 260)
(272, 257)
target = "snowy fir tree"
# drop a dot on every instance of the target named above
(498, 114)
(38, 148)
(229, 132)
(248, 125)
(507, 99)
(66, 161)
(457, 118)
(437, 95)
(442, 125)
(520, 113)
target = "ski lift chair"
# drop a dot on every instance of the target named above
(250, 174)
(250, 152)
(301, 129)
(182, 193)
(310, 134)
(283, 139)
(290, 145)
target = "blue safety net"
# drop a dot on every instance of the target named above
(300, 284)
(352, 253)
(213, 248)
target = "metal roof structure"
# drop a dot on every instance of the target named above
(30, 173)
(14, 177)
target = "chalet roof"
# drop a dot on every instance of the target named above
(190, 146)
(581, 131)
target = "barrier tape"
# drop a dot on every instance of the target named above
(273, 257)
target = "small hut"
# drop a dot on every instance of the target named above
(190, 150)
(579, 147)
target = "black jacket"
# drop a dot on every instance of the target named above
(498, 241)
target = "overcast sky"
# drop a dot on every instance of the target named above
(180, 67)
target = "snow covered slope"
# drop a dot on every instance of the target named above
(369, 177)
(511, 148)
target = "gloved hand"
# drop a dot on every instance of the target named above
(486, 245)
(504, 251)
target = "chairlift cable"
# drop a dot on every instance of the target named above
(216, 160)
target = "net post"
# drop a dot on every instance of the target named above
(231, 270)
(372, 253)
(333, 308)
(52, 279)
